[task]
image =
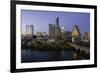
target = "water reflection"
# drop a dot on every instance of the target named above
(28, 55)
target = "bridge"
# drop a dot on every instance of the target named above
(81, 48)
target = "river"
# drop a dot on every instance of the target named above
(28, 55)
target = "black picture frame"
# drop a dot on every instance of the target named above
(13, 35)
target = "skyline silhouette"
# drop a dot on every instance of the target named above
(42, 19)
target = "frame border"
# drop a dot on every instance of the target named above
(13, 35)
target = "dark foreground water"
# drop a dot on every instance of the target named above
(28, 55)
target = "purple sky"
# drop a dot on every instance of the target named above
(41, 19)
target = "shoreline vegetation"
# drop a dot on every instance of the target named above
(54, 46)
(39, 45)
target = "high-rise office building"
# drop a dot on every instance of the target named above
(54, 30)
(51, 31)
(75, 34)
(29, 30)
(57, 21)
(57, 29)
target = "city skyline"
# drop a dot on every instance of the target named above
(42, 19)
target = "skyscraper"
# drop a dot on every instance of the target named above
(29, 30)
(75, 34)
(57, 20)
(51, 31)
(57, 29)
(54, 30)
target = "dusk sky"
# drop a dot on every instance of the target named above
(42, 19)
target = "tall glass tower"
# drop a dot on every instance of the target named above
(29, 30)
(57, 29)
(57, 21)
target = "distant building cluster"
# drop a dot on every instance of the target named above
(77, 36)
(86, 36)
(58, 33)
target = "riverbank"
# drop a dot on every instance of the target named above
(38, 45)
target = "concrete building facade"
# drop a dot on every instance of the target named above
(29, 30)
(75, 34)
(54, 30)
